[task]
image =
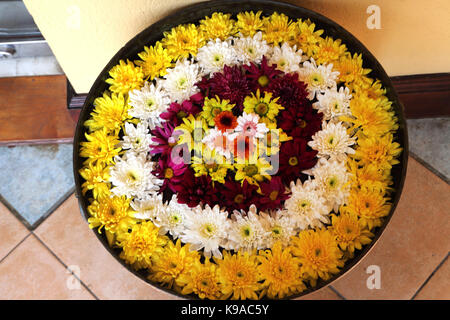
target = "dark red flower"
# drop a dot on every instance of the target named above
(237, 196)
(172, 173)
(295, 156)
(195, 190)
(163, 139)
(273, 194)
(290, 91)
(231, 84)
(300, 122)
(177, 112)
(260, 76)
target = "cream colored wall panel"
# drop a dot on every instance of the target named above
(84, 34)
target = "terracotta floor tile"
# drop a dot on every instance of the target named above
(32, 272)
(12, 231)
(68, 235)
(413, 244)
(321, 294)
(438, 287)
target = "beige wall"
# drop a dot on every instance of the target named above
(414, 36)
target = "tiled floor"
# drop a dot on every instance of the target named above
(57, 256)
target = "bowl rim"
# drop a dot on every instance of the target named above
(192, 14)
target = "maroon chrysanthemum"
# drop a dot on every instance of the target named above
(172, 173)
(231, 84)
(237, 196)
(300, 122)
(290, 91)
(273, 193)
(195, 190)
(177, 112)
(163, 139)
(295, 156)
(260, 76)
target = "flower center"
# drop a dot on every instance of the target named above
(262, 109)
(239, 198)
(181, 114)
(251, 170)
(273, 195)
(293, 161)
(263, 80)
(168, 173)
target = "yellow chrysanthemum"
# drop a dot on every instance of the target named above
(212, 107)
(171, 262)
(237, 275)
(278, 28)
(370, 117)
(350, 68)
(97, 177)
(219, 25)
(201, 280)
(273, 139)
(248, 23)
(110, 112)
(191, 132)
(369, 175)
(379, 151)
(253, 171)
(372, 89)
(318, 253)
(369, 205)
(182, 41)
(125, 77)
(139, 244)
(155, 61)
(100, 147)
(280, 272)
(265, 107)
(308, 39)
(212, 164)
(349, 232)
(112, 213)
(329, 50)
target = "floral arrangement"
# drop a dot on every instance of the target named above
(240, 157)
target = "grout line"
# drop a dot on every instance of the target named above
(337, 292)
(429, 167)
(65, 266)
(53, 208)
(14, 248)
(15, 213)
(430, 276)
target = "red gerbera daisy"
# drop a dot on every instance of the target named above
(194, 190)
(225, 121)
(237, 196)
(273, 194)
(300, 122)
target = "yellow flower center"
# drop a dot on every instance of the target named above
(263, 80)
(293, 161)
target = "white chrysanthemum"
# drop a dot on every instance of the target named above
(148, 208)
(332, 179)
(206, 229)
(172, 218)
(251, 49)
(131, 176)
(332, 141)
(136, 139)
(318, 78)
(249, 125)
(333, 103)
(180, 81)
(148, 103)
(279, 228)
(286, 58)
(215, 55)
(307, 205)
(214, 141)
(246, 231)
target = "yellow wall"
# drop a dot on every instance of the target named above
(84, 34)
